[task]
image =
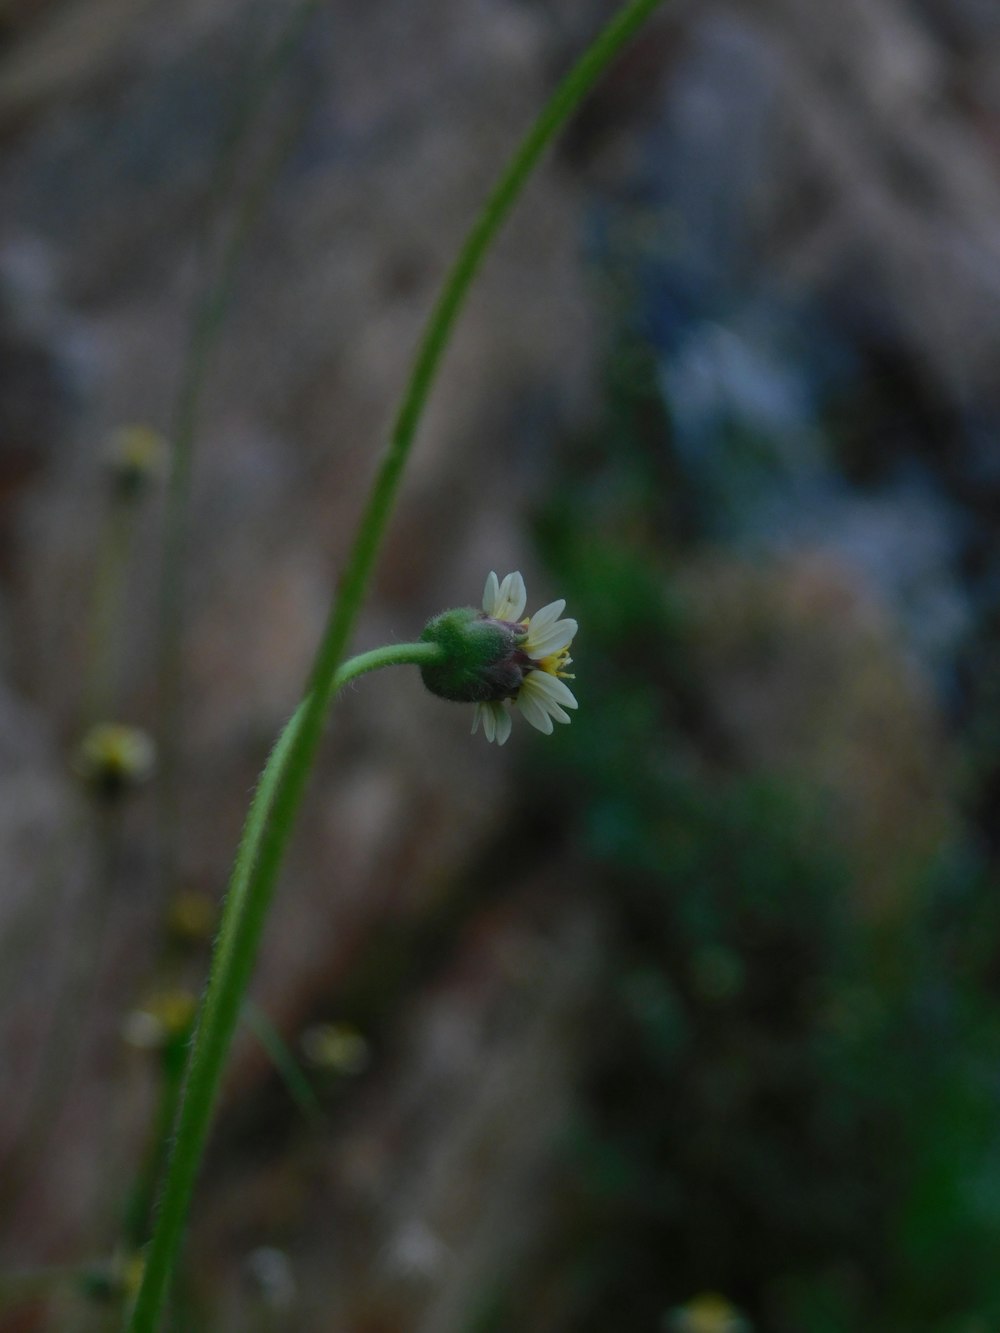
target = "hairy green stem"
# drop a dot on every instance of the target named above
(272, 814)
(232, 962)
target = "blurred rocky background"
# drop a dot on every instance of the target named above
(686, 1018)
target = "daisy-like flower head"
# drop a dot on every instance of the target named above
(498, 657)
(543, 655)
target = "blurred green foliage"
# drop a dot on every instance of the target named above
(786, 1103)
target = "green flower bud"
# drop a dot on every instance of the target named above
(483, 661)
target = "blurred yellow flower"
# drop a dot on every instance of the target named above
(191, 917)
(339, 1047)
(706, 1313)
(160, 1019)
(136, 457)
(112, 758)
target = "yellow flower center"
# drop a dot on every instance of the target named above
(555, 663)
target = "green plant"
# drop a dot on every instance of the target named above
(272, 816)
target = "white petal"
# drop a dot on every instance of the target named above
(503, 724)
(511, 598)
(536, 686)
(477, 717)
(548, 613)
(533, 710)
(551, 640)
(489, 722)
(491, 594)
(552, 688)
(554, 710)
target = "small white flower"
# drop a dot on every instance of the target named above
(544, 655)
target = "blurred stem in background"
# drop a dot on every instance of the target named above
(207, 322)
(285, 1063)
(106, 618)
(61, 1045)
(139, 1211)
(110, 760)
(279, 795)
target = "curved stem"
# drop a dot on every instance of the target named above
(272, 814)
(232, 962)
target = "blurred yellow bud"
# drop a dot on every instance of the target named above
(191, 917)
(119, 1277)
(160, 1019)
(112, 758)
(706, 1313)
(136, 459)
(339, 1047)
(132, 1268)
